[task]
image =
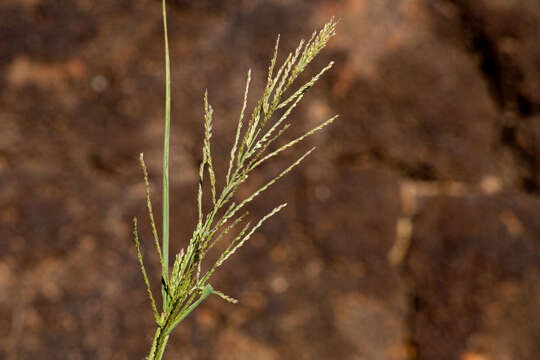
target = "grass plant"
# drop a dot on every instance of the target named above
(187, 285)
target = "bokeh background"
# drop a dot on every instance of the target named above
(413, 233)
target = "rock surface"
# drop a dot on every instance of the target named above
(411, 234)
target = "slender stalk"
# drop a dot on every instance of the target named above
(158, 345)
(166, 142)
(167, 325)
(206, 292)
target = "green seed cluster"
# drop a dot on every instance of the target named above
(187, 285)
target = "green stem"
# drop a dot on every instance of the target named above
(162, 332)
(205, 293)
(165, 235)
(158, 345)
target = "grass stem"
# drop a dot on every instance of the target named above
(166, 146)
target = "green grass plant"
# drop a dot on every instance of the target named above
(187, 285)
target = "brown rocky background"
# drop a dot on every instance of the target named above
(412, 234)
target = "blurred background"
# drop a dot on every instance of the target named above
(412, 233)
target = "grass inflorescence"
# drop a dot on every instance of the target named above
(187, 285)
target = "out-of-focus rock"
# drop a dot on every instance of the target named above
(439, 120)
(475, 279)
